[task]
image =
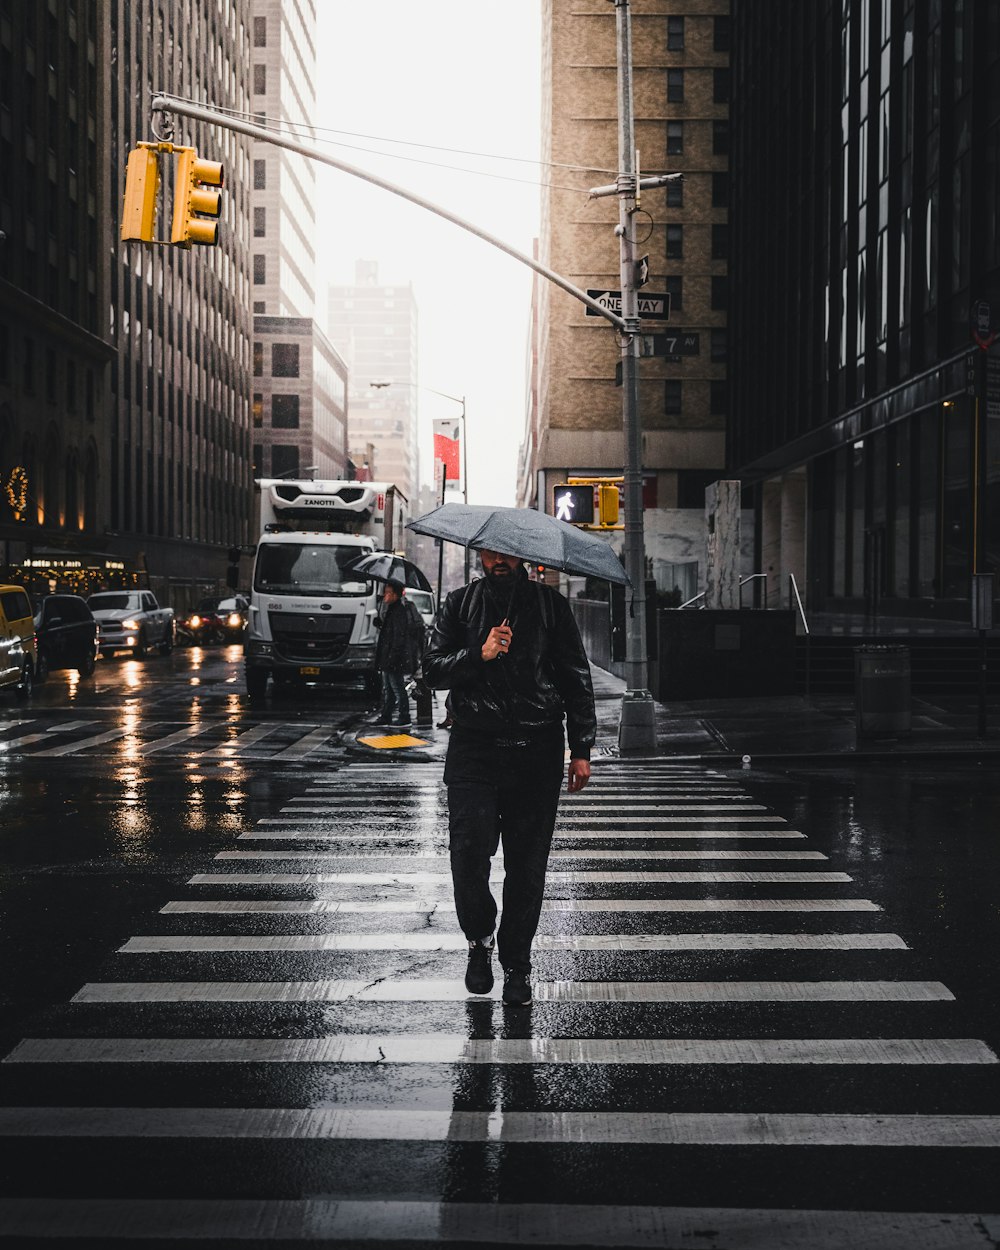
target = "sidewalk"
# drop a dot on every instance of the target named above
(784, 728)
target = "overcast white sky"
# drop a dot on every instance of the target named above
(459, 74)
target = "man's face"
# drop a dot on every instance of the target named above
(389, 596)
(498, 566)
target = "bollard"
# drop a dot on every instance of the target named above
(424, 699)
(882, 690)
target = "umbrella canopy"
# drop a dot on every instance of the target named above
(522, 532)
(383, 566)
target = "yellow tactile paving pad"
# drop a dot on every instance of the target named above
(390, 741)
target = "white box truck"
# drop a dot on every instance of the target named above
(311, 618)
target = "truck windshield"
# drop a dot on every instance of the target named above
(307, 569)
(112, 602)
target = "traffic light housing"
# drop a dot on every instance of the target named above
(608, 503)
(574, 504)
(142, 182)
(195, 200)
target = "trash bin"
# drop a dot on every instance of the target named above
(882, 690)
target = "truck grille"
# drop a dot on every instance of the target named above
(310, 639)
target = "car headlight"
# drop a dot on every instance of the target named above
(194, 622)
(130, 624)
(234, 620)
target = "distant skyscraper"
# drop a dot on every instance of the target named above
(300, 382)
(376, 328)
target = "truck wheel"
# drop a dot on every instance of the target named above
(256, 684)
(141, 646)
(167, 645)
(87, 665)
(41, 669)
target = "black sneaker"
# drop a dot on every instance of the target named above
(479, 971)
(400, 724)
(516, 988)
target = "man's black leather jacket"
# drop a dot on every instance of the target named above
(545, 673)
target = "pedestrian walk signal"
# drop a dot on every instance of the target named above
(194, 200)
(574, 504)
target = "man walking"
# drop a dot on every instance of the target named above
(510, 655)
(400, 645)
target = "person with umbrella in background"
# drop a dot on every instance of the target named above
(509, 652)
(400, 645)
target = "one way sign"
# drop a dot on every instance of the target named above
(651, 307)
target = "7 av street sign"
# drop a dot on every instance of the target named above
(651, 307)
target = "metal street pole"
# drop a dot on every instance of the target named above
(637, 727)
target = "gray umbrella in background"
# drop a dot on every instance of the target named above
(383, 566)
(532, 536)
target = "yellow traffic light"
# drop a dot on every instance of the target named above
(194, 200)
(608, 503)
(142, 181)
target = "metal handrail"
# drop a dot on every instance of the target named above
(798, 600)
(743, 581)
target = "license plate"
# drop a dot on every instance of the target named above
(308, 671)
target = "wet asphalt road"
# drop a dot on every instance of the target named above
(234, 1008)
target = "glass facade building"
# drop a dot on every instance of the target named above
(865, 251)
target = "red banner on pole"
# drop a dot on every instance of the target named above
(448, 449)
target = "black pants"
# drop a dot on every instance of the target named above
(509, 789)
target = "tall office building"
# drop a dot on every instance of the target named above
(54, 349)
(375, 326)
(300, 382)
(179, 453)
(866, 260)
(680, 98)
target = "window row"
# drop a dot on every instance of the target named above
(720, 137)
(677, 33)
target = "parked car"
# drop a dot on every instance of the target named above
(18, 649)
(67, 635)
(423, 601)
(215, 620)
(132, 620)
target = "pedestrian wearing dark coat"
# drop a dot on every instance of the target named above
(509, 653)
(400, 646)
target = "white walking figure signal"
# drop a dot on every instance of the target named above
(564, 507)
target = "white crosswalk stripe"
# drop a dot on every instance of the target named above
(774, 986)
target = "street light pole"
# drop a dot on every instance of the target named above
(637, 727)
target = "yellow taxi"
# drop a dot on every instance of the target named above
(18, 647)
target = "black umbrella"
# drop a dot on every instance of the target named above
(383, 566)
(522, 532)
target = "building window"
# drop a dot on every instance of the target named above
(675, 289)
(675, 242)
(673, 395)
(284, 360)
(70, 386)
(260, 32)
(28, 366)
(260, 175)
(259, 269)
(675, 86)
(51, 376)
(258, 360)
(259, 222)
(259, 79)
(285, 412)
(675, 138)
(675, 34)
(718, 341)
(284, 460)
(720, 138)
(720, 242)
(720, 190)
(720, 293)
(718, 398)
(720, 86)
(675, 193)
(258, 410)
(259, 307)
(720, 40)
(4, 353)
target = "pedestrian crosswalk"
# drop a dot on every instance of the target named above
(738, 1051)
(139, 736)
